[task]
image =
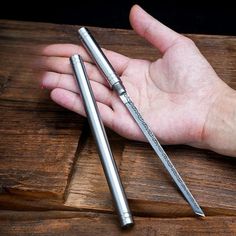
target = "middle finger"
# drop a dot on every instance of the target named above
(62, 65)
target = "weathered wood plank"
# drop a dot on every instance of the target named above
(82, 223)
(38, 139)
(210, 177)
(88, 188)
(30, 121)
(150, 190)
(219, 50)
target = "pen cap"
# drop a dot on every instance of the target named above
(98, 56)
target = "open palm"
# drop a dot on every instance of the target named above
(173, 94)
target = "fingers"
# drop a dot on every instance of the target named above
(73, 102)
(118, 61)
(51, 80)
(62, 65)
(152, 30)
(65, 50)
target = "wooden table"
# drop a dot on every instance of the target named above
(51, 179)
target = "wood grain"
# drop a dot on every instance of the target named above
(210, 177)
(82, 223)
(88, 187)
(38, 139)
(150, 190)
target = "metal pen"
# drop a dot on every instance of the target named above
(116, 84)
(99, 134)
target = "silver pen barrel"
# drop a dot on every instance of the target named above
(106, 157)
(103, 64)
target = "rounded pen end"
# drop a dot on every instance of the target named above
(83, 32)
(126, 220)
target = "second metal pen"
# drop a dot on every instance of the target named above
(106, 157)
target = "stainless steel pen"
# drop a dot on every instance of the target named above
(106, 157)
(115, 82)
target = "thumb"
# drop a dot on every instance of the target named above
(151, 29)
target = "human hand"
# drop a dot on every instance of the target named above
(174, 94)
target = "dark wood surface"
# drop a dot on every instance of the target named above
(51, 179)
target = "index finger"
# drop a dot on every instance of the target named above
(118, 61)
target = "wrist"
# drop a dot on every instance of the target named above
(219, 132)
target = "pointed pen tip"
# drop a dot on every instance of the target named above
(200, 213)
